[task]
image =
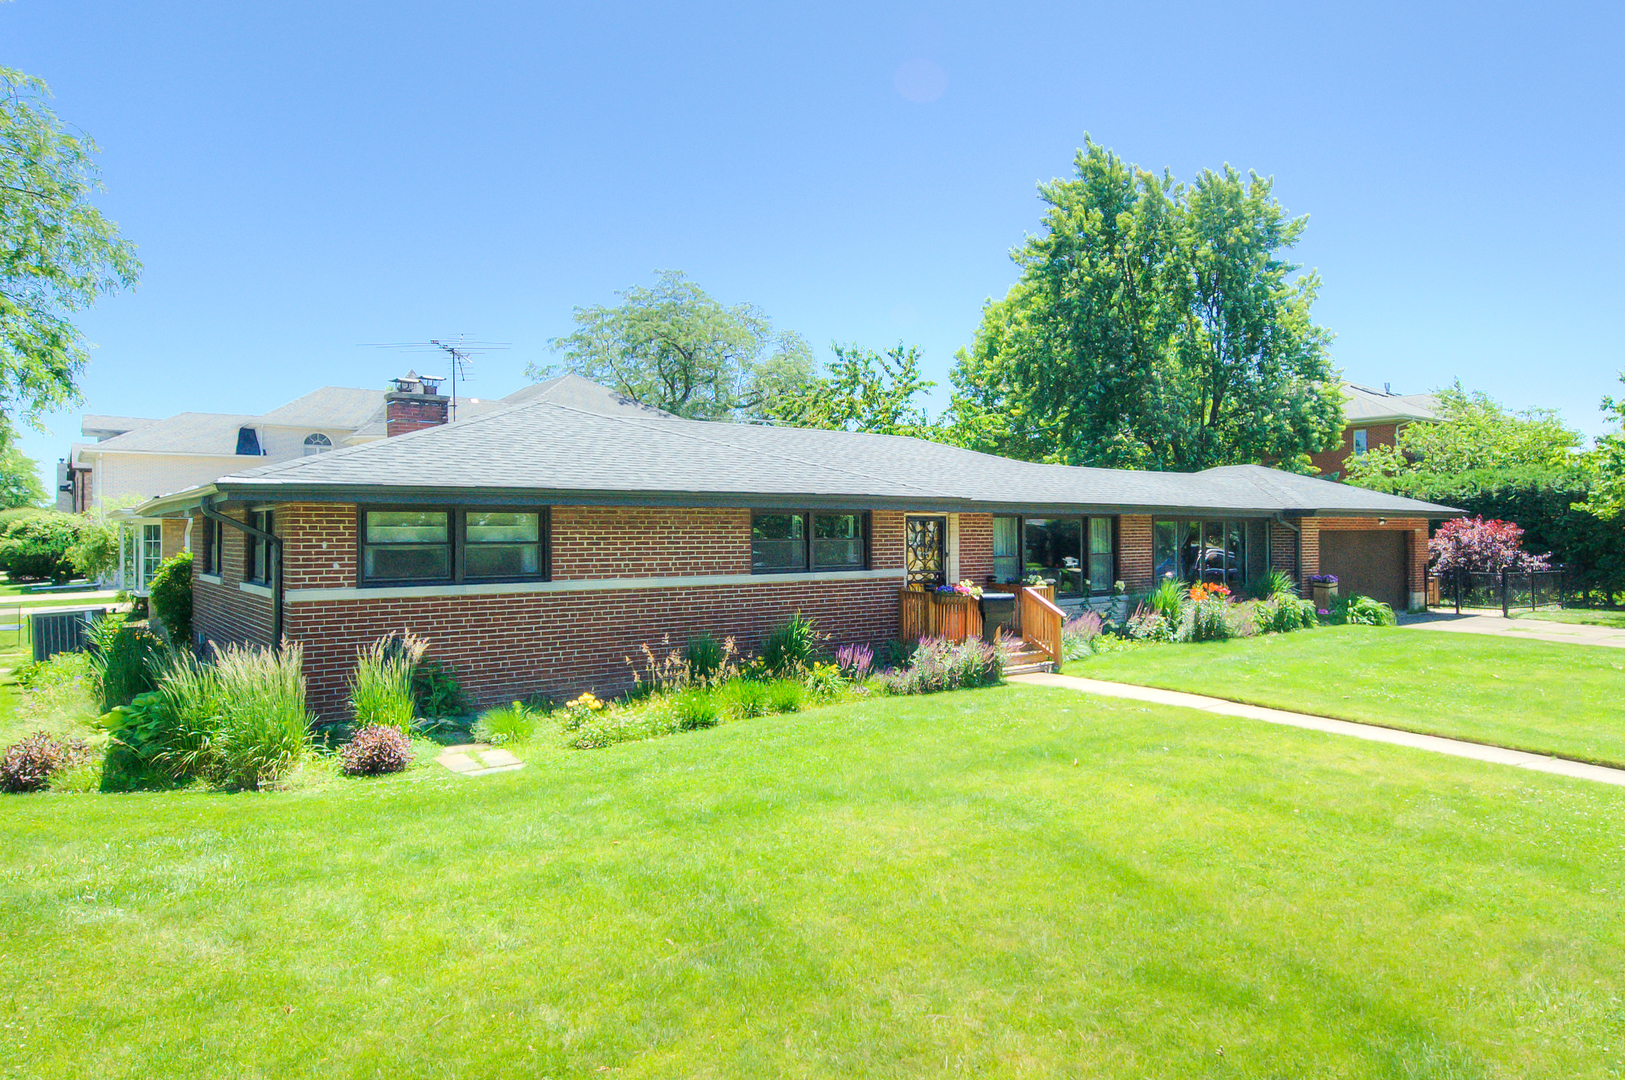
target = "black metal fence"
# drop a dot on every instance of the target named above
(1509, 590)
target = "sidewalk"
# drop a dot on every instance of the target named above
(1492, 623)
(1370, 732)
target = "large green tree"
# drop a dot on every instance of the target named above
(861, 390)
(1608, 462)
(1154, 326)
(1526, 467)
(19, 480)
(57, 252)
(1472, 432)
(674, 347)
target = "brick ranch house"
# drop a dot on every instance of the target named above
(539, 546)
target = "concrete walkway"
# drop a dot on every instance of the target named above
(1484, 622)
(1370, 732)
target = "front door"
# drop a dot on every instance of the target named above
(925, 551)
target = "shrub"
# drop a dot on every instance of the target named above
(705, 657)
(785, 696)
(170, 593)
(940, 664)
(264, 729)
(123, 658)
(855, 661)
(1078, 635)
(375, 749)
(1362, 611)
(1275, 583)
(1285, 612)
(1168, 598)
(789, 649)
(29, 763)
(436, 691)
(824, 680)
(694, 709)
(381, 684)
(744, 698)
(35, 546)
(514, 723)
(676, 671)
(1207, 619)
(1149, 624)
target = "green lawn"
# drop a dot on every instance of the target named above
(1012, 882)
(1583, 616)
(1530, 695)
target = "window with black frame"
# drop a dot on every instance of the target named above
(211, 546)
(1213, 551)
(501, 544)
(405, 546)
(257, 563)
(1078, 553)
(791, 542)
(447, 545)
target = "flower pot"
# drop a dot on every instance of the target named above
(1323, 595)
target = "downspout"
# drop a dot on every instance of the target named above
(1297, 548)
(207, 506)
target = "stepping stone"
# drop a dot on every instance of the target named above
(478, 759)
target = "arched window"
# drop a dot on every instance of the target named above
(317, 444)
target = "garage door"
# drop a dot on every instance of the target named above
(1370, 562)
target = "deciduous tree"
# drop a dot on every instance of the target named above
(57, 252)
(1154, 326)
(674, 347)
(862, 390)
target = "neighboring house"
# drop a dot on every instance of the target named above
(1372, 418)
(136, 459)
(541, 545)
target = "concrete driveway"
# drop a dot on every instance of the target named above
(1479, 622)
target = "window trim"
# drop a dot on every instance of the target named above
(251, 546)
(807, 538)
(1360, 441)
(312, 449)
(457, 542)
(1083, 549)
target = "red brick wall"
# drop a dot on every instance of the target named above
(174, 535)
(623, 542)
(318, 545)
(222, 612)
(1284, 550)
(1136, 558)
(1416, 547)
(508, 645)
(1333, 461)
(404, 413)
(975, 547)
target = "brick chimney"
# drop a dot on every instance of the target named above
(414, 404)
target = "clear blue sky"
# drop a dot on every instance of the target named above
(302, 177)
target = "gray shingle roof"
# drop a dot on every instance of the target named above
(549, 451)
(184, 433)
(1363, 405)
(345, 407)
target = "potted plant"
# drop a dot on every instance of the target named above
(1323, 590)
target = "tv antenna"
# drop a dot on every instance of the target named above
(462, 352)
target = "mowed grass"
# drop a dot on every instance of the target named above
(1581, 616)
(1561, 699)
(1009, 882)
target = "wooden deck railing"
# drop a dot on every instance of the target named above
(1041, 623)
(1046, 591)
(937, 615)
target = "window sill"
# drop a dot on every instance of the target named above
(697, 581)
(212, 579)
(255, 590)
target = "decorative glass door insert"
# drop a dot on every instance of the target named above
(925, 540)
